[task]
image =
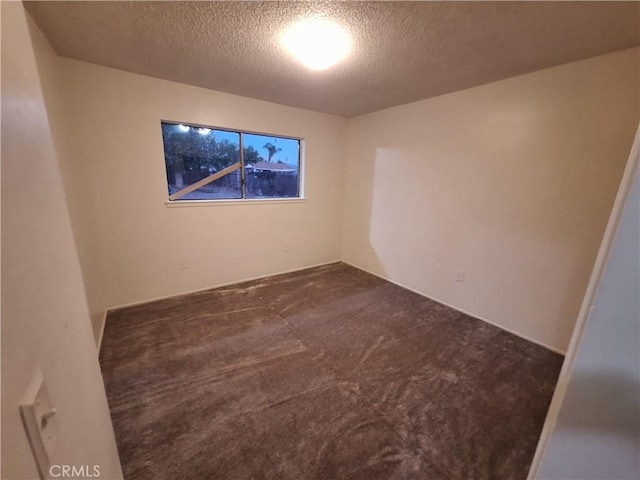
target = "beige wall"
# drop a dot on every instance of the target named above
(45, 320)
(512, 182)
(130, 242)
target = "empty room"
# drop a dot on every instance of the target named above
(320, 240)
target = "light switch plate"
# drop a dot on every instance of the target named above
(38, 417)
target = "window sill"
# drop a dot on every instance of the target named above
(243, 201)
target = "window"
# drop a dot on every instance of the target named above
(206, 163)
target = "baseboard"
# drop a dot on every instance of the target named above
(104, 322)
(502, 327)
(187, 292)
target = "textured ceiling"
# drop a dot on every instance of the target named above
(403, 51)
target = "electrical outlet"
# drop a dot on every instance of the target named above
(183, 264)
(459, 275)
(39, 420)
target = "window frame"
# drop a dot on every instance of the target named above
(237, 201)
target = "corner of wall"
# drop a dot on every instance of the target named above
(45, 320)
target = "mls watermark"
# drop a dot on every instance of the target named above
(74, 471)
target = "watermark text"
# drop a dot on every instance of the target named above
(74, 471)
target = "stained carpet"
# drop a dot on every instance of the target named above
(328, 373)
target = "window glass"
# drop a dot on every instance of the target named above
(273, 170)
(206, 164)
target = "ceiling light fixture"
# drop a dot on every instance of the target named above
(317, 43)
(183, 128)
(204, 131)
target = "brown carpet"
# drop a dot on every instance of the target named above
(329, 373)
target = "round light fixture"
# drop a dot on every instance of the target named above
(317, 43)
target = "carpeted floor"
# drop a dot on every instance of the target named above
(328, 373)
